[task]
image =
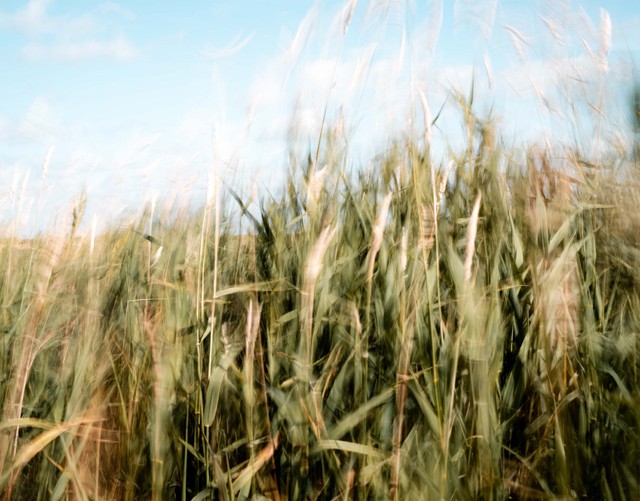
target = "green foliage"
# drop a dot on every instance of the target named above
(413, 331)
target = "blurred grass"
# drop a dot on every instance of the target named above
(413, 331)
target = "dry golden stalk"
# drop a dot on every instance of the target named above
(28, 346)
(378, 231)
(472, 230)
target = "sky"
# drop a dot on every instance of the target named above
(138, 102)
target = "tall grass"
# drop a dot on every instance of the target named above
(414, 331)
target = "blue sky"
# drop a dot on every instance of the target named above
(140, 100)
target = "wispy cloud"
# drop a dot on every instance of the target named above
(40, 122)
(93, 34)
(118, 49)
(32, 19)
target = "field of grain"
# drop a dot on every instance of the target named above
(413, 330)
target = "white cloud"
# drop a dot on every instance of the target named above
(94, 34)
(40, 122)
(117, 49)
(32, 19)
